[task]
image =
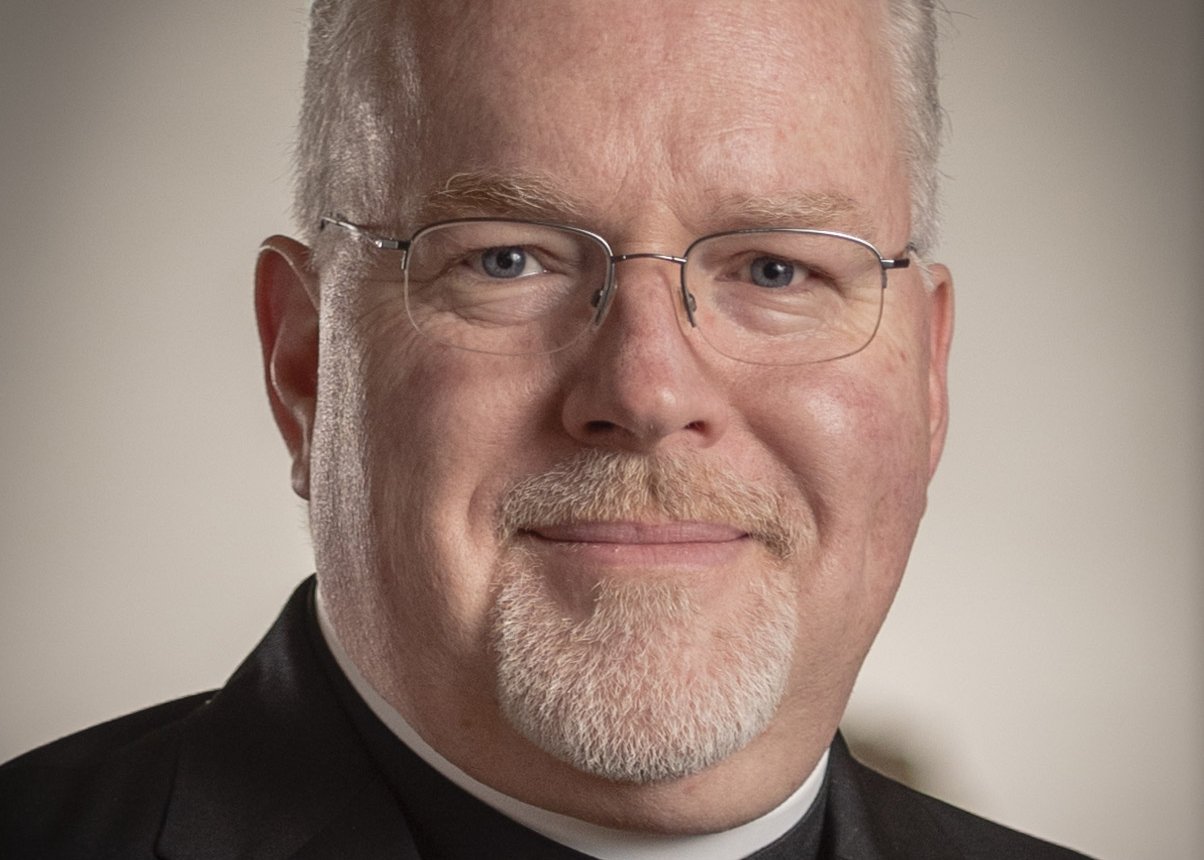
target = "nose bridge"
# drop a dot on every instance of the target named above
(648, 255)
(608, 297)
(643, 385)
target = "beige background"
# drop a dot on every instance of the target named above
(1044, 662)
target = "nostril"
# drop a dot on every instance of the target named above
(599, 426)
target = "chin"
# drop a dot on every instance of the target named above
(646, 687)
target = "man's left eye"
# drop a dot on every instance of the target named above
(771, 272)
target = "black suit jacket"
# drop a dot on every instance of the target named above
(275, 765)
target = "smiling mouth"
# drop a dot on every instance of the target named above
(638, 533)
(611, 506)
(639, 545)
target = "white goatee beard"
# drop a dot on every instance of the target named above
(645, 687)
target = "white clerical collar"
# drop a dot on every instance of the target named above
(604, 843)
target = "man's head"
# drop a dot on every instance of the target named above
(635, 577)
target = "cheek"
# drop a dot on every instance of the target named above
(445, 431)
(850, 441)
(853, 442)
(457, 424)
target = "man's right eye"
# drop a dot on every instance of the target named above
(508, 262)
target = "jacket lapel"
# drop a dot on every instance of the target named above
(270, 768)
(870, 817)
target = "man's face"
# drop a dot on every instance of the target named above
(648, 557)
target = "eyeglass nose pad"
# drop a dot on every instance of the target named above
(601, 300)
(691, 305)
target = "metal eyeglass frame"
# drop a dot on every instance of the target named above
(602, 299)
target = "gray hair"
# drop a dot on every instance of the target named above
(357, 111)
(360, 101)
(913, 39)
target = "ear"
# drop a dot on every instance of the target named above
(940, 323)
(286, 307)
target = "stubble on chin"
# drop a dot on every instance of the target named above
(648, 685)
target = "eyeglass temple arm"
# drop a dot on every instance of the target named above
(382, 242)
(903, 261)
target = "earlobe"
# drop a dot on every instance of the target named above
(940, 337)
(286, 308)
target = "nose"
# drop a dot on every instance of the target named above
(640, 384)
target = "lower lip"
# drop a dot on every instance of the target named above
(618, 545)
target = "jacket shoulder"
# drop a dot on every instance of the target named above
(104, 786)
(99, 742)
(908, 823)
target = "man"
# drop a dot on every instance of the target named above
(613, 371)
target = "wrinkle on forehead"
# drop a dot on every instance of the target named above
(634, 59)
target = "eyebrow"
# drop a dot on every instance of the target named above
(537, 197)
(487, 194)
(820, 210)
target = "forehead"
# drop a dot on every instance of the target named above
(652, 107)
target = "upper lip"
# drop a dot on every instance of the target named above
(635, 532)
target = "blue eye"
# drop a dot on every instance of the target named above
(504, 262)
(771, 272)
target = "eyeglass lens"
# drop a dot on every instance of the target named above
(767, 297)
